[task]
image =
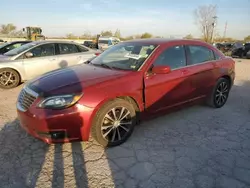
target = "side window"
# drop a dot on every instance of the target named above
(43, 50)
(82, 48)
(67, 48)
(174, 57)
(17, 45)
(200, 54)
(216, 56)
(11, 47)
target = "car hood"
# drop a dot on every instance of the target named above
(4, 58)
(73, 79)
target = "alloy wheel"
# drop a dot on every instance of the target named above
(7, 78)
(221, 93)
(116, 124)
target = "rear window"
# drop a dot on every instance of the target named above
(103, 41)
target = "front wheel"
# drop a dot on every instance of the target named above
(114, 123)
(220, 94)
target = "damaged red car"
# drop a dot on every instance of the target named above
(106, 96)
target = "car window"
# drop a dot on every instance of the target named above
(67, 48)
(23, 48)
(17, 45)
(200, 54)
(43, 50)
(82, 48)
(174, 57)
(103, 41)
(216, 55)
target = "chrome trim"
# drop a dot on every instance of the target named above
(29, 92)
(193, 65)
(19, 107)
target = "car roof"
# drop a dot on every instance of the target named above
(53, 41)
(20, 41)
(160, 41)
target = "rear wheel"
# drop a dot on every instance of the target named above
(9, 78)
(114, 123)
(220, 93)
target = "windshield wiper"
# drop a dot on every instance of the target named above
(102, 65)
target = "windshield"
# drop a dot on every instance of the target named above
(238, 45)
(21, 49)
(125, 56)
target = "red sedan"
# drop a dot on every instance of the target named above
(132, 80)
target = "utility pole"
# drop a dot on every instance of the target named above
(225, 31)
(213, 25)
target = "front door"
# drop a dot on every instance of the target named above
(42, 61)
(167, 90)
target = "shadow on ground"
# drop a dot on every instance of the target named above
(194, 147)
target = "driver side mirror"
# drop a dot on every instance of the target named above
(162, 69)
(28, 54)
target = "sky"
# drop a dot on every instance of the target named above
(159, 17)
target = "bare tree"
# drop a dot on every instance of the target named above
(18, 34)
(117, 33)
(71, 36)
(205, 17)
(86, 35)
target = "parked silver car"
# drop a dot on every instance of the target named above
(36, 58)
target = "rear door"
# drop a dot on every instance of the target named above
(166, 90)
(42, 61)
(201, 65)
(85, 54)
(72, 54)
(68, 55)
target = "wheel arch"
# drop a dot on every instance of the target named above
(130, 100)
(227, 77)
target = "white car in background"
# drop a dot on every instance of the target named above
(36, 58)
(105, 42)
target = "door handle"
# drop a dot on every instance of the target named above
(79, 57)
(53, 59)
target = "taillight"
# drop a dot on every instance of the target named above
(97, 53)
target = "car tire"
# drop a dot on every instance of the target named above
(11, 77)
(220, 93)
(105, 126)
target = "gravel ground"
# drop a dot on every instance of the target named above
(194, 147)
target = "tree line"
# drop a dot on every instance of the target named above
(109, 33)
(10, 30)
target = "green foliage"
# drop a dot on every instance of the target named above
(247, 39)
(146, 35)
(107, 33)
(7, 29)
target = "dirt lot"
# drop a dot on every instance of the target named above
(195, 147)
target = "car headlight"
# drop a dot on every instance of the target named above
(59, 101)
